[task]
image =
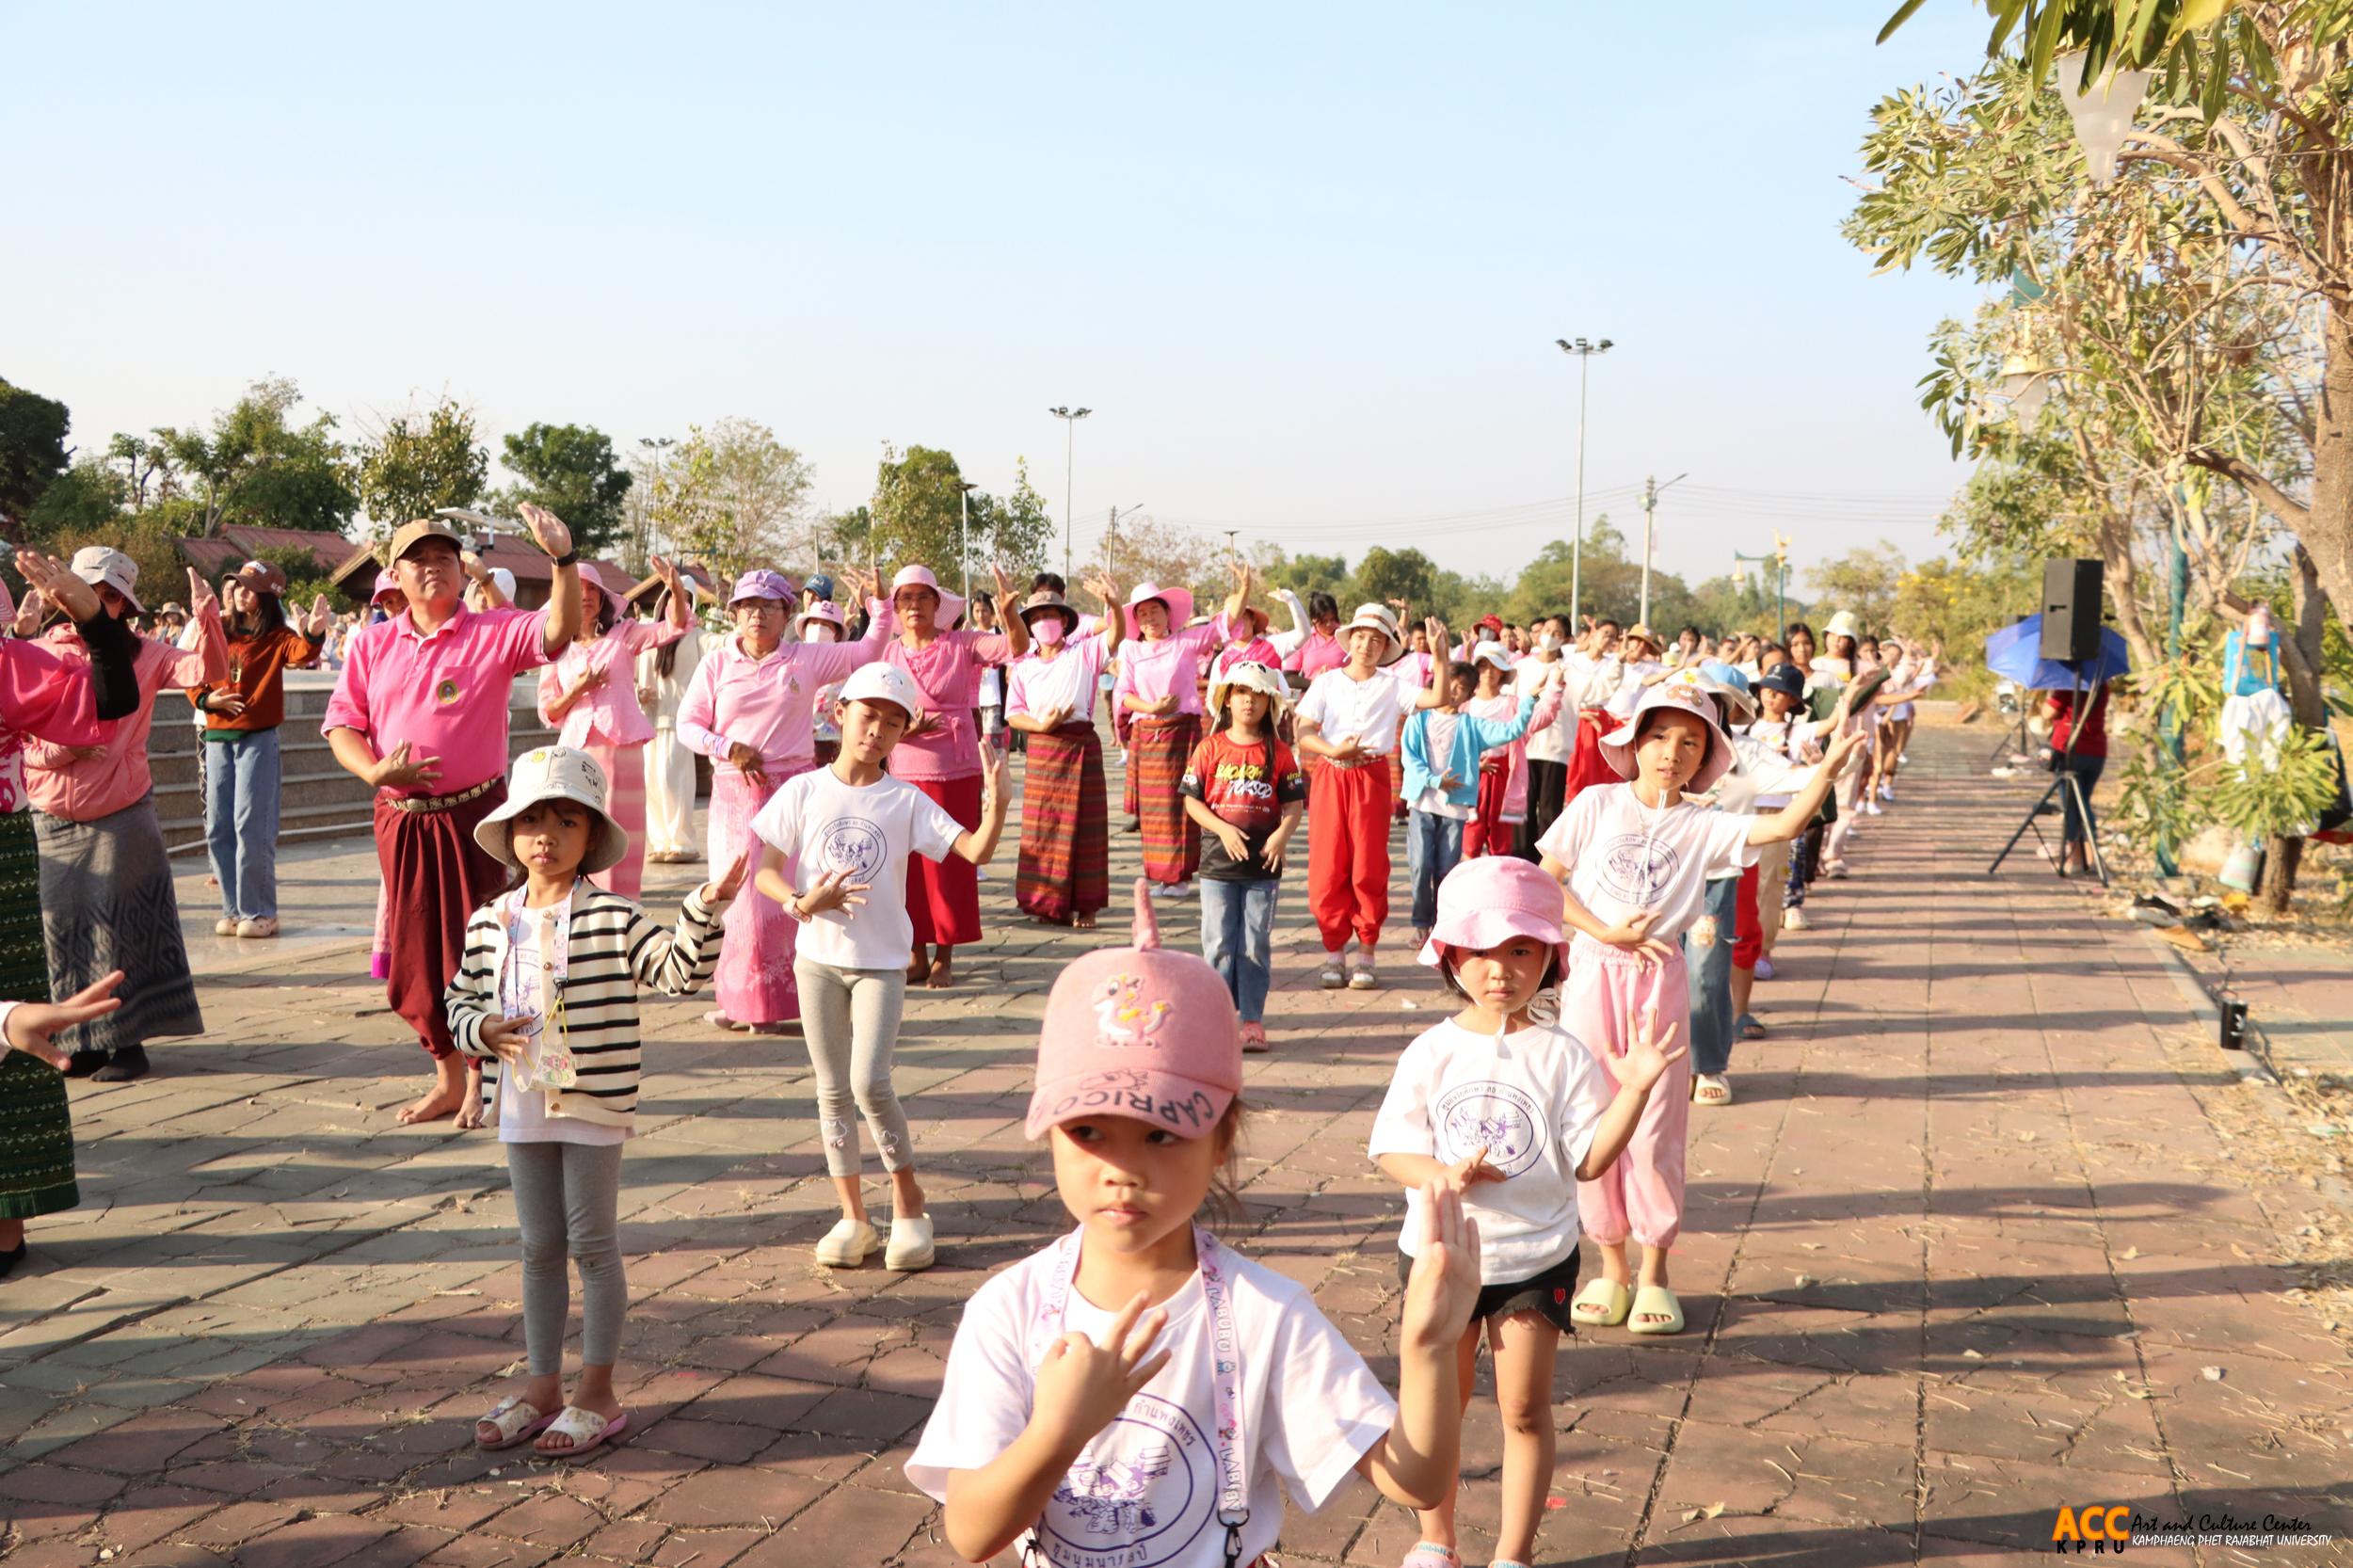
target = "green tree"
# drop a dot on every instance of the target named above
(85, 496)
(32, 446)
(917, 509)
(569, 469)
(734, 497)
(1013, 529)
(255, 466)
(419, 462)
(1863, 580)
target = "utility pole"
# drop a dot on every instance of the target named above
(1650, 518)
(1070, 418)
(1781, 585)
(964, 536)
(1584, 352)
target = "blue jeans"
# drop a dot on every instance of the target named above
(1434, 845)
(1710, 971)
(1237, 938)
(241, 800)
(2077, 827)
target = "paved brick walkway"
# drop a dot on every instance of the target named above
(1967, 1248)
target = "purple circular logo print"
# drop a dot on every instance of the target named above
(1139, 1495)
(855, 845)
(1496, 1117)
(1637, 869)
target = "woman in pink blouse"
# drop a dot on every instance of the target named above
(748, 709)
(1160, 687)
(1064, 874)
(105, 886)
(590, 693)
(941, 754)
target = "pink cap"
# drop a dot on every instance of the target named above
(763, 583)
(385, 583)
(1138, 1031)
(1485, 902)
(1618, 745)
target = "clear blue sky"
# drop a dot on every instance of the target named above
(1307, 262)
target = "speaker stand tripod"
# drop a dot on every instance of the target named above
(2065, 780)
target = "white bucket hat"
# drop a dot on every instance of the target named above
(1250, 675)
(1377, 618)
(102, 568)
(1844, 624)
(883, 683)
(1684, 697)
(556, 773)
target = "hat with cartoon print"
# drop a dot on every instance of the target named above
(1140, 1032)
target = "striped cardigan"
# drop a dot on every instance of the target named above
(611, 948)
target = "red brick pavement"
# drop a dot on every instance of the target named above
(1955, 1259)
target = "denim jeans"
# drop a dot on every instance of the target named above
(1709, 968)
(1802, 850)
(241, 800)
(2077, 827)
(1434, 845)
(1237, 938)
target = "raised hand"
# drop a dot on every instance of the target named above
(1647, 1059)
(1082, 1386)
(1004, 586)
(472, 565)
(834, 890)
(1443, 1290)
(509, 1038)
(28, 621)
(993, 769)
(200, 594)
(1470, 1171)
(1834, 756)
(547, 530)
(57, 583)
(318, 619)
(33, 1026)
(730, 885)
(401, 769)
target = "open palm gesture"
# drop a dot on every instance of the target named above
(1443, 1288)
(1647, 1059)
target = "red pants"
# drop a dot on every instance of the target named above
(434, 877)
(1587, 765)
(1347, 851)
(1487, 833)
(1748, 940)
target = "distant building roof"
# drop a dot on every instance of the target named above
(519, 557)
(236, 543)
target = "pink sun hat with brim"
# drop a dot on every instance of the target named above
(1617, 747)
(1179, 600)
(1139, 1032)
(1485, 902)
(763, 583)
(826, 611)
(951, 606)
(385, 583)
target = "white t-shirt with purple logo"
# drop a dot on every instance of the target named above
(822, 824)
(1624, 857)
(1143, 1493)
(1531, 1098)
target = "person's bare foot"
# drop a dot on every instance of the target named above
(1084, 920)
(470, 1113)
(447, 1095)
(919, 971)
(943, 973)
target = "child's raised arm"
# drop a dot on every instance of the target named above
(978, 844)
(1642, 1066)
(1416, 1463)
(677, 963)
(1791, 820)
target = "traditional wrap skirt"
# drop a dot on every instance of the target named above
(106, 904)
(1172, 839)
(944, 895)
(755, 983)
(36, 1122)
(1066, 836)
(625, 802)
(434, 877)
(669, 794)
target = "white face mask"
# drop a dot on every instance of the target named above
(821, 631)
(1549, 641)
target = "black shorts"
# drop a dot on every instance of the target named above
(1549, 1294)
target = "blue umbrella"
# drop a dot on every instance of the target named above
(2014, 653)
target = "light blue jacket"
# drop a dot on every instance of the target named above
(1473, 737)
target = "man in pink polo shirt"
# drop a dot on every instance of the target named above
(420, 712)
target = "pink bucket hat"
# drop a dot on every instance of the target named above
(1618, 745)
(385, 583)
(826, 611)
(1487, 902)
(951, 606)
(1138, 1031)
(1180, 602)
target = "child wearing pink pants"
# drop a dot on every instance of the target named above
(1635, 858)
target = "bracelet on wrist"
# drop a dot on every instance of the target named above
(569, 558)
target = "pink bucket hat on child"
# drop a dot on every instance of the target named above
(951, 606)
(1139, 1032)
(1618, 745)
(1487, 902)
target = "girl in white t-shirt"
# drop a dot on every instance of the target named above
(838, 840)
(1500, 1106)
(1636, 859)
(1139, 1394)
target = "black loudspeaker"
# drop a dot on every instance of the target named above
(2070, 611)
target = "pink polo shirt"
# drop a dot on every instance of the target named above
(87, 790)
(611, 713)
(1320, 652)
(446, 694)
(44, 696)
(1172, 664)
(769, 704)
(947, 670)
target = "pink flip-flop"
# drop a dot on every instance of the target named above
(587, 1430)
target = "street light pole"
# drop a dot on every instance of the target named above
(1584, 352)
(964, 535)
(1781, 585)
(1650, 518)
(1070, 418)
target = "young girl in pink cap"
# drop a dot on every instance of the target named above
(1503, 1107)
(1636, 859)
(1138, 1393)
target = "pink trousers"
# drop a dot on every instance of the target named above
(1603, 1003)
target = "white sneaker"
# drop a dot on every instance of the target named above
(225, 926)
(1871, 808)
(258, 925)
(1333, 977)
(1887, 791)
(847, 1244)
(1171, 891)
(910, 1243)
(1793, 919)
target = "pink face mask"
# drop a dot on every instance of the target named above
(1049, 630)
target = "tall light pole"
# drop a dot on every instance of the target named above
(964, 535)
(1650, 516)
(1781, 585)
(656, 448)
(1070, 418)
(1584, 352)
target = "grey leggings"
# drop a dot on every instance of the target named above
(850, 1019)
(567, 1199)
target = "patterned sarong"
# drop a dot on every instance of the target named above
(106, 904)
(36, 1123)
(1172, 842)
(1066, 840)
